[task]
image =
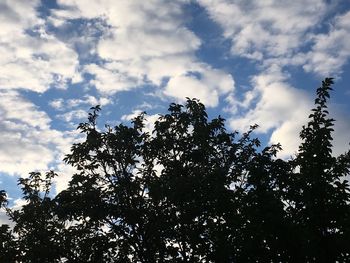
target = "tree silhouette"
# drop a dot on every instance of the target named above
(319, 194)
(190, 191)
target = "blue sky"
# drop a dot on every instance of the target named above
(249, 61)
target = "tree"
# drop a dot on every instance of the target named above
(7, 244)
(181, 212)
(190, 191)
(319, 194)
(36, 228)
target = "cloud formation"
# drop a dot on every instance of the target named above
(331, 50)
(260, 29)
(103, 51)
(147, 43)
(275, 35)
(34, 60)
(31, 58)
(27, 142)
(279, 108)
(284, 33)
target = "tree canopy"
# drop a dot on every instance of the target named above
(189, 191)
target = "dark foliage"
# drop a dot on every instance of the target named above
(188, 192)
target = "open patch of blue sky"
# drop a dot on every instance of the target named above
(249, 61)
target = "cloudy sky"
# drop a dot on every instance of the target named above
(250, 61)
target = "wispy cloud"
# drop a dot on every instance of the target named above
(277, 35)
(101, 51)
(331, 50)
(264, 29)
(31, 58)
(147, 43)
(27, 141)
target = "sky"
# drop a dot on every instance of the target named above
(252, 62)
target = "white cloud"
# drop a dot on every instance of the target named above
(205, 83)
(138, 43)
(331, 51)
(129, 117)
(288, 132)
(147, 42)
(280, 34)
(27, 142)
(341, 134)
(31, 61)
(88, 100)
(260, 29)
(148, 121)
(283, 33)
(73, 115)
(280, 108)
(57, 104)
(15, 17)
(65, 173)
(110, 79)
(188, 86)
(34, 64)
(85, 101)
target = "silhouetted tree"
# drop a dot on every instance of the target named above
(319, 201)
(36, 227)
(7, 243)
(181, 212)
(190, 191)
